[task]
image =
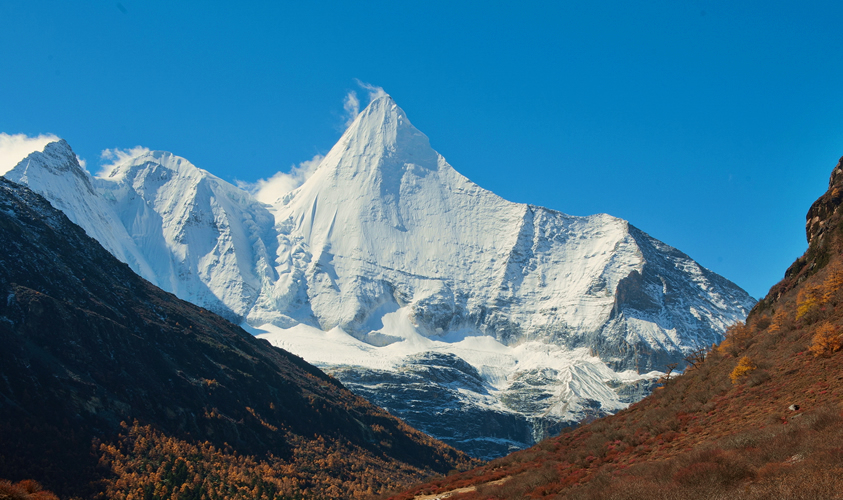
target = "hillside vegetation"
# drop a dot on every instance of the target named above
(757, 417)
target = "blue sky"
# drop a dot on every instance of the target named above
(712, 126)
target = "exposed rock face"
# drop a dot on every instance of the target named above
(427, 389)
(394, 251)
(821, 230)
(825, 206)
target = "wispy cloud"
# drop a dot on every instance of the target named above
(351, 103)
(110, 158)
(16, 147)
(374, 90)
(270, 190)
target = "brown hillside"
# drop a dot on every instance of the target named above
(758, 417)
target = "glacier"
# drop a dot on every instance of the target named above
(486, 323)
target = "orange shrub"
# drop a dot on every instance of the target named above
(808, 301)
(779, 321)
(833, 282)
(737, 339)
(826, 340)
(745, 367)
(24, 490)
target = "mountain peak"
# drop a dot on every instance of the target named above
(57, 158)
(56, 155)
(383, 102)
(58, 147)
(169, 161)
(387, 246)
(383, 98)
(381, 113)
(381, 138)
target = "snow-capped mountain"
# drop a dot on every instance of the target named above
(483, 322)
(176, 225)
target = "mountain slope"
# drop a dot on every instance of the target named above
(759, 417)
(206, 241)
(392, 256)
(87, 344)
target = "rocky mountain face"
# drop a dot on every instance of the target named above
(88, 344)
(823, 210)
(387, 256)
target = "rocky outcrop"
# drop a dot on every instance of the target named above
(825, 207)
(824, 235)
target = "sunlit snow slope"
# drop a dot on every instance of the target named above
(483, 322)
(176, 225)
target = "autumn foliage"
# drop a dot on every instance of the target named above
(738, 336)
(24, 490)
(808, 301)
(745, 367)
(147, 464)
(826, 340)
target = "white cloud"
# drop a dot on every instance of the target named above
(351, 105)
(14, 148)
(270, 190)
(110, 158)
(374, 90)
